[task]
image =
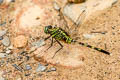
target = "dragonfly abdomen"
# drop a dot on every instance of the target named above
(95, 48)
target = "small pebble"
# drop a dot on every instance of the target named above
(38, 43)
(48, 70)
(56, 6)
(46, 64)
(28, 74)
(103, 32)
(2, 62)
(1, 37)
(3, 55)
(88, 36)
(22, 53)
(8, 51)
(19, 58)
(28, 67)
(6, 41)
(27, 58)
(20, 41)
(3, 32)
(53, 69)
(40, 68)
(17, 67)
(10, 60)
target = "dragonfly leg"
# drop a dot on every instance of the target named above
(58, 49)
(50, 44)
(47, 37)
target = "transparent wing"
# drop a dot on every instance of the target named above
(70, 26)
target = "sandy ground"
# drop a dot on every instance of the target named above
(97, 66)
(100, 66)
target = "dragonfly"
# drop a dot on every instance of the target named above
(58, 34)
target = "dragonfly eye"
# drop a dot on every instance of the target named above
(46, 30)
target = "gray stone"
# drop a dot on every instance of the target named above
(6, 41)
(19, 58)
(2, 24)
(1, 37)
(28, 67)
(2, 62)
(17, 67)
(79, 13)
(40, 68)
(3, 55)
(3, 32)
(1, 1)
(38, 43)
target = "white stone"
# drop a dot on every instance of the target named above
(88, 36)
(3, 55)
(1, 78)
(6, 41)
(56, 6)
(75, 11)
(8, 51)
(19, 79)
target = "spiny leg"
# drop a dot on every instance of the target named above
(58, 49)
(50, 45)
(51, 42)
(47, 37)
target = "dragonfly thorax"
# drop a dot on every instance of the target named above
(58, 34)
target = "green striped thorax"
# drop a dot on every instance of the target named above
(58, 33)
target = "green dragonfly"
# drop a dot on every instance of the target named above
(60, 35)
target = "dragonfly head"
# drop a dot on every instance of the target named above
(46, 30)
